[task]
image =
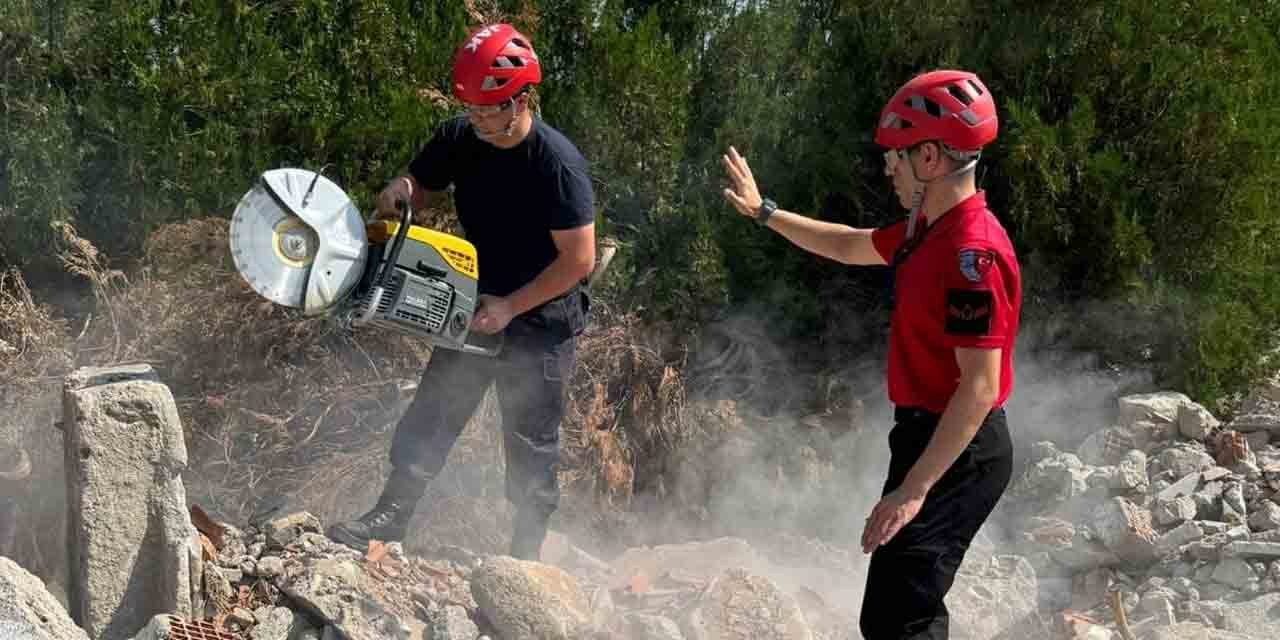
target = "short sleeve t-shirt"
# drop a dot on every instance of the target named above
(960, 287)
(509, 200)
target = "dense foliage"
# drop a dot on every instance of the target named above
(1137, 165)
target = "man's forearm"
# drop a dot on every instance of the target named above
(959, 422)
(829, 240)
(557, 278)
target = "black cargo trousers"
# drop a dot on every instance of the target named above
(532, 373)
(909, 577)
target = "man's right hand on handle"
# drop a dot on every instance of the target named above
(400, 189)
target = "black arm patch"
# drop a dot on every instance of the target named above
(969, 312)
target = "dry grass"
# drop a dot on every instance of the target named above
(274, 403)
(34, 354)
(280, 407)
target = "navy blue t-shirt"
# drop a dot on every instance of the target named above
(509, 200)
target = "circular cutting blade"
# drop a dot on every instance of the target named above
(299, 240)
(273, 249)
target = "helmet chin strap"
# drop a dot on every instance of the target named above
(511, 124)
(917, 194)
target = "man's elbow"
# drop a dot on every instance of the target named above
(583, 262)
(983, 390)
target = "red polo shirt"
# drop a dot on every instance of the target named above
(960, 287)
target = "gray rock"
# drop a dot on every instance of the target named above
(28, 611)
(1090, 588)
(1131, 473)
(1185, 459)
(269, 567)
(1185, 486)
(1235, 573)
(1175, 511)
(1250, 549)
(738, 604)
(125, 454)
(286, 529)
(991, 598)
(1257, 618)
(335, 592)
(1233, 504)
(1266, 517)
(279, 623)
(1125, 529)
(1191, 631)
(450, 622)
(640, 626)
(1163, 406)
(1195, 422)
(530, 599)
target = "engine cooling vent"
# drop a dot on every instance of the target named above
(388, 297)
(438, 298)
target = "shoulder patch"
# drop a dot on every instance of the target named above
(969, 312)
(975, 263)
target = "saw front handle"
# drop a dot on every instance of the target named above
(388, 265)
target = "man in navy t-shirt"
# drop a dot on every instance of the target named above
(524, 199)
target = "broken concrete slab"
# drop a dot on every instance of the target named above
(1256, 618)
(125, 454)
(29, 611)
(992, 598)
(1175, 511)
(1161, 406)
(1250, 549)
(1192, 631)
(1196, 422)
(1185, 486)
(1125, 529)
(337, 592)
(1181, 535)
(1185, 458)
(525, 599)
(1234, 509)
(1131, 473)
(1268, 422)
(1235, 573)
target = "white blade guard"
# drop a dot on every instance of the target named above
(298, 240)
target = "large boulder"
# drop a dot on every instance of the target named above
(129, 534)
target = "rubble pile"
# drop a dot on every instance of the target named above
(281, 579)
(1164, 525)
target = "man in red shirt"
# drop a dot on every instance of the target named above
(957, 292)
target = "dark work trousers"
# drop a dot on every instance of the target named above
(531, 373)
(911, 574)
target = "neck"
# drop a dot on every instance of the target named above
(524, 124)
(943, 195)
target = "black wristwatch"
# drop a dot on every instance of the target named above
(767, 207)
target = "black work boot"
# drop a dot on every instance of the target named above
(388, 521)
(528, 533)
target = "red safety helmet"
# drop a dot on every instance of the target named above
(953, 107)
(494, 63)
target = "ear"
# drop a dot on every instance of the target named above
(932, 153)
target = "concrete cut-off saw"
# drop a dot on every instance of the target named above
(300, 241)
